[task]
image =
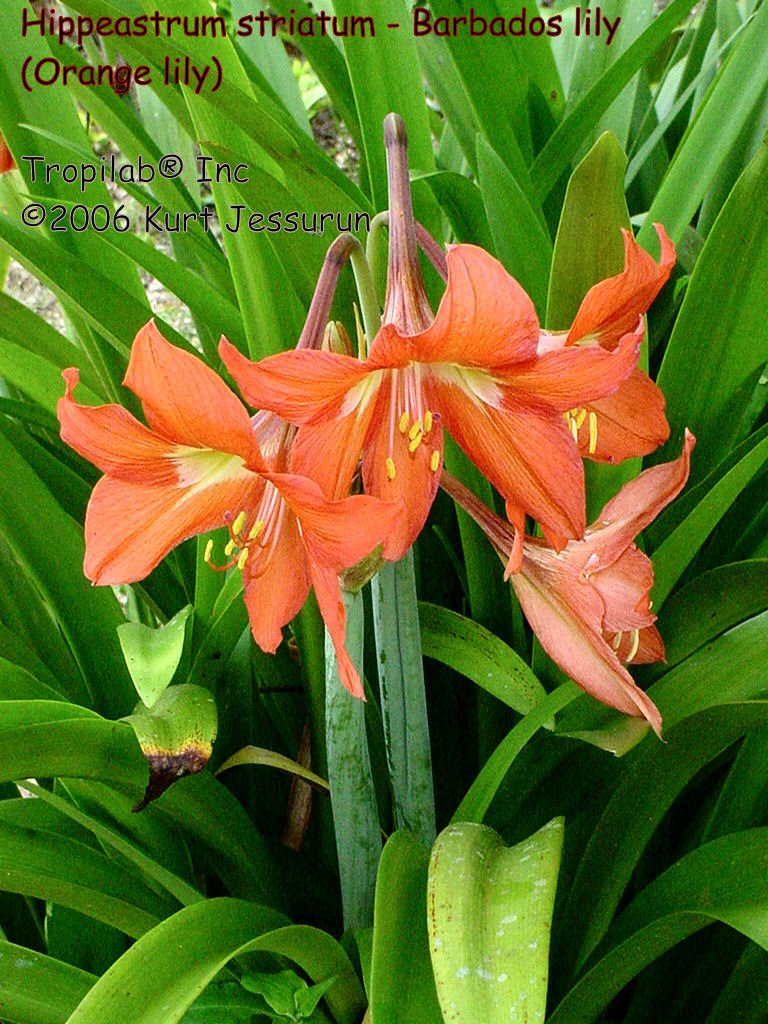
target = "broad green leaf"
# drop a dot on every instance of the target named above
(592, 60)
(270, 758)
(50, 548)
(353, 798)
(53, 867)
(659, 772)
(285, 994)
(672, 557)
(37, 989)
(588, 247)
(153, 655)
(520, 240)
(402, 984)
(725, 880)
(403, 699)
(462, 203)
(205, 937)
(176, 735)
(444, 81)
(715, 128)
(386, 77)
(223, 1001)
(489, 917)
(721, 329)
(482, 791)
(710, 604)
(469, 648)
(565, 141)
(496, 86)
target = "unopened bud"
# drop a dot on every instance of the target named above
(336, 339)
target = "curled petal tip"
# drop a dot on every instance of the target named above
(71, 379)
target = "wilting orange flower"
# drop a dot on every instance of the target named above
(630, 421)
(473, 368)
(589, 604)
(203, 463)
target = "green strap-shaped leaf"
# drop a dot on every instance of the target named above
(402, 983)
(36, 989)
(724, 881)
(489, 917)
(568, 137)
(721, 329)
(469, 648)
(622, 834)
(521, 241)
(715, 128)
(147, 986)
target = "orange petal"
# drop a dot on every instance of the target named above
(329, 600)
(7, 163)
(566, 617)
(391, 471)
(302, 386)
(277, 594)
(624, 587)
(484, 319)
(112, 439)
(328, 453)
(185, 401)
(130, 527)
(336, 534)
(650, 647)
(630, 422)
(634, 507)
(526, 452)
(610, 308)
(570, 377)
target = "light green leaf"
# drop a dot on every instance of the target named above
(489, 917)
(153, 655)
(402, 984)
(257, 755)
(176, 736)
(37, 989)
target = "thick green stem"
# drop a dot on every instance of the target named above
(353, 798)
(403, 700)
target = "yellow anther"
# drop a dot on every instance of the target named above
(574, 429)
(427, 421)
(567, 418)
(256, 529)
(582, 415)
(635, 645)
(415, 429)
(239, 523)
(592, 433)
(434, 462)
(391, 471)
(403, 424)
(229, 548)
(616, 642)
(208, 550)
(243, 558)
(415, 443)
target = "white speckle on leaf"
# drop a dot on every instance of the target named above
(463, 972)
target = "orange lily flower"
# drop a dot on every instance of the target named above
(630, 421)
(473, 369)
(589, 604)
(203, 463)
